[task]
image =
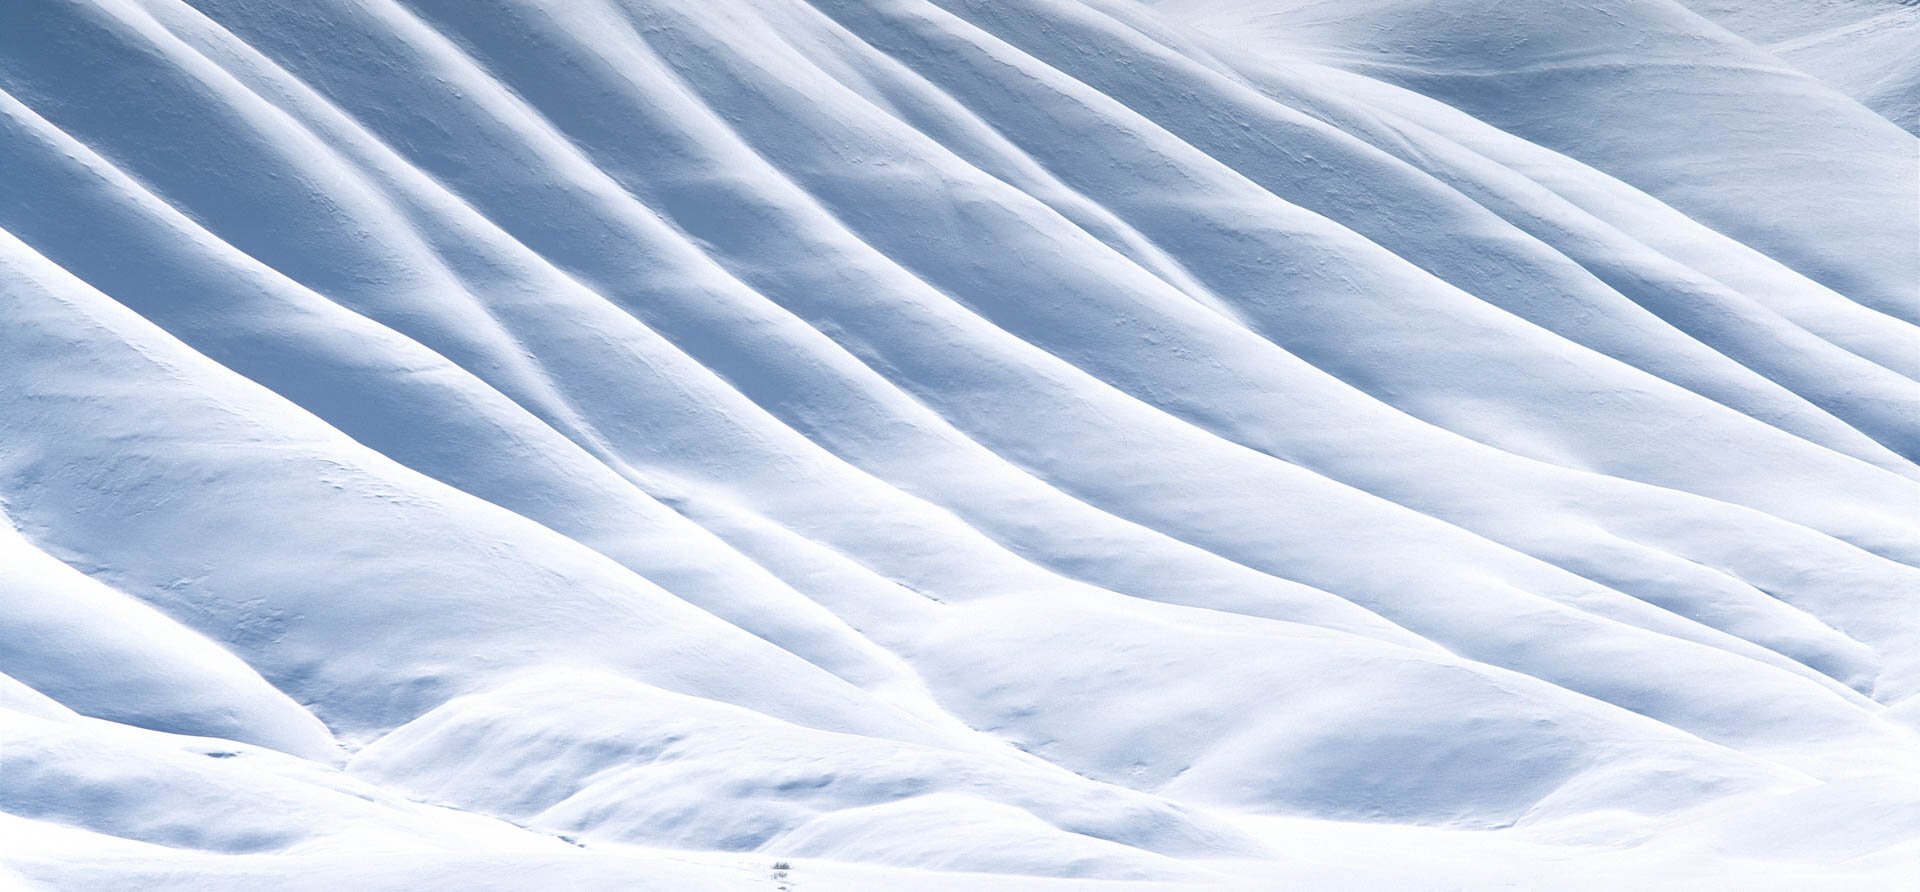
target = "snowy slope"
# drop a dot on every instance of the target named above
(1375, 442)
(1864, 48)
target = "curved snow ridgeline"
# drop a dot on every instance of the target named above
(1326, 442)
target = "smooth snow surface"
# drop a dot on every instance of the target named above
(581, 444)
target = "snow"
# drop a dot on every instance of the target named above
(1857, 46)
(1016, 444)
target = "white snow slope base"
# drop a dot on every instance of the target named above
(966, 443)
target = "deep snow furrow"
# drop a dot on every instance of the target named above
(1059, 437)
(503, 266)
(651, 315)
(431, 419)
(653, 140)
(1355, 352)
(337, 572)
(1456, 241)
(1610, 580)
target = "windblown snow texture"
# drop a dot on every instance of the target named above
(951, 443)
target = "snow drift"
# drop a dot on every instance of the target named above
(1230, 441)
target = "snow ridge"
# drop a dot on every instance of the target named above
(1206, 441)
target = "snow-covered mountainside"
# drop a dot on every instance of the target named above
(924, 444)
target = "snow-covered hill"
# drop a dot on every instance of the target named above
(958, 443)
